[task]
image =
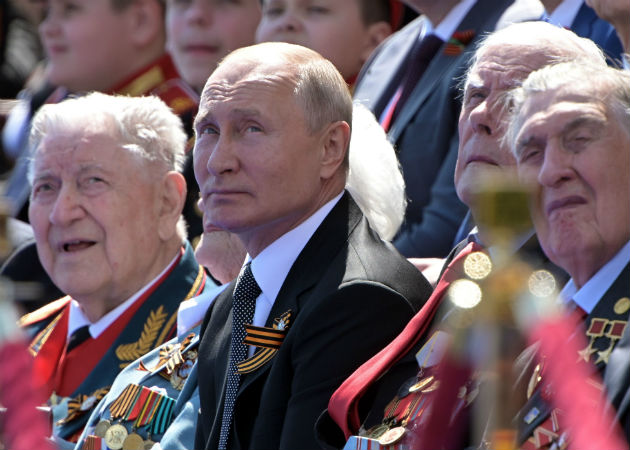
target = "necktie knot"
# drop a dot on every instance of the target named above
(78, 336)
(246, 290)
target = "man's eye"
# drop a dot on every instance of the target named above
(208, 129)
(253, 129)
(274, 11)
(475, 95)
(42, 189)
(69, 8)
(317, 9)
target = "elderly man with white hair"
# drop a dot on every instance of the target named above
(105, 207)
(571, 138)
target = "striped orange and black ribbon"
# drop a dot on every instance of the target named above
(76, 406)
(267, 339)
(127, 397)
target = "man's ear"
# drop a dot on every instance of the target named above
(376, 33)
(146, 22)
(171, 203)
(336, 139)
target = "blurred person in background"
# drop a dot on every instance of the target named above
(411, 84)
(200, 33)
(345, 32)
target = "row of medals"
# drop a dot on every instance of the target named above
(392, 430)
(117, 437)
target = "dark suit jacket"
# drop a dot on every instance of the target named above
(617, 381)
(152, 324)
(587, 24)
(616, 374)
(425, 130)
(350, 294)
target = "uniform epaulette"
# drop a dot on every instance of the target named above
(44, 312)
(177, 95)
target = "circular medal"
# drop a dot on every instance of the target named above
(184, 370)
(377, 431)
(622, 305)
(391, 436)
(404, 391)
(541, 283)
(133, 442)
(477, 265)
(432, 387)
(115, 436)
(422, 384)
(176, 381)
(101, 428)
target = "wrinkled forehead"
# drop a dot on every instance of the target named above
(507, 66)
(78, 149)
(564, 103)
(247, 85)
(246, 71)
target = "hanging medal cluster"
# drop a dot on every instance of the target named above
(144, 409)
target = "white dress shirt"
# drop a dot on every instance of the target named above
(271, 267)
(591, 293)
(565, 13)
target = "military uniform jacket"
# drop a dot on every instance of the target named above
(605, 327)
(158, 369)
(348, 294)
(152, 323)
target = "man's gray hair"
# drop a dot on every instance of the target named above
(610, 85)
(556, 43)
(146, 128)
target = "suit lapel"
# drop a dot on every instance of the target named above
(310, 267)
(616, 374)
(476, 19)
(583, 23)
(375, 90)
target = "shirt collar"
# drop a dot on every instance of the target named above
(565, 13)
(445, 29)
(591, 293)
(191, 312)
(515, 246)
(77, 319)
(272, 265)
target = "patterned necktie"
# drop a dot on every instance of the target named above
(244, 302)
(418, 60)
